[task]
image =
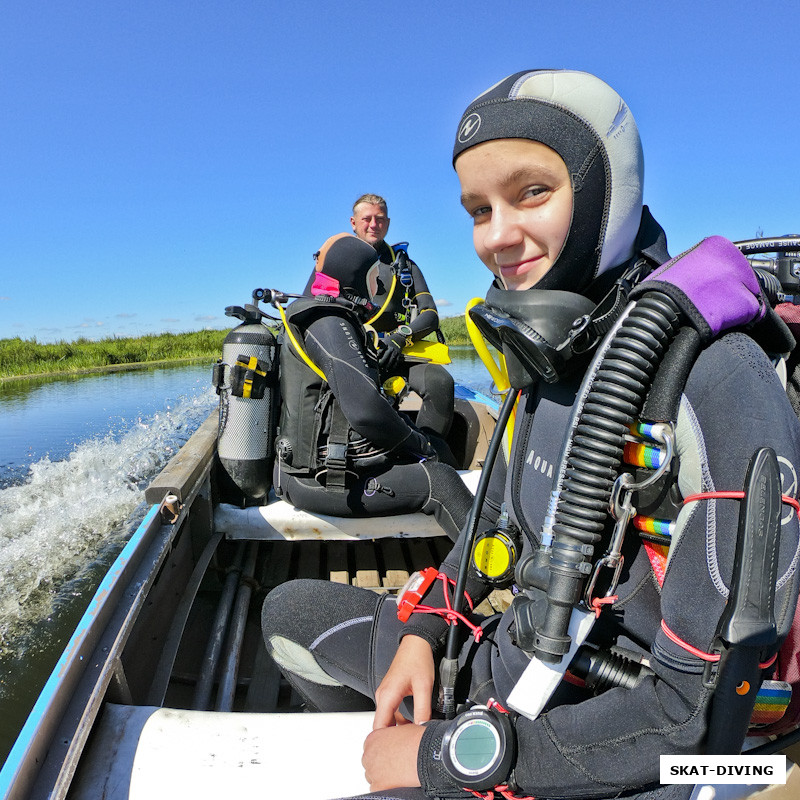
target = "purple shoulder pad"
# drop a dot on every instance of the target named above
(714, 285)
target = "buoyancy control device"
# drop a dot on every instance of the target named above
(636, 362)
(246, 379)
(612, 397)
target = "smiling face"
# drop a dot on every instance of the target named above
(519, 195)
(370, 223)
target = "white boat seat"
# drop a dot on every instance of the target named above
(282, 521)
(149, 753)
(153, 753)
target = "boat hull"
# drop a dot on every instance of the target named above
(175, 622)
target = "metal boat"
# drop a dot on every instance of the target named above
(166, 689)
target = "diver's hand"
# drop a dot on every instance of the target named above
(410, 673)
(390, 355)
(390, 756)
(420, 447)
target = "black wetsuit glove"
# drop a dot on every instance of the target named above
(420, 448)
(390, 353)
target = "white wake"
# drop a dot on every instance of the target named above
(54, 525)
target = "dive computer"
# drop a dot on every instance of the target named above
(479, 748)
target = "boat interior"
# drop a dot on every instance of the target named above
(174, 647)
(166, 690)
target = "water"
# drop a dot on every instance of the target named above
(75, 457)
(50, 417)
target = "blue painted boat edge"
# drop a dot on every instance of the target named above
(465, 393)
(23, 745)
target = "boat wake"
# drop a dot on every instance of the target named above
(70, 516)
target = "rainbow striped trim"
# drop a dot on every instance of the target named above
(642, 429)
(658, 527)
(643, 455)
(772, 701)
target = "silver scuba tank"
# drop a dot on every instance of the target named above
(246, 379)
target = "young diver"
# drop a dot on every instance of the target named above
(550, 165)
(343, 449)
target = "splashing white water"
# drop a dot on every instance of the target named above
(54, 525)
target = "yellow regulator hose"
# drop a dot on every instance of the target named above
(298, 349)
(497, 371)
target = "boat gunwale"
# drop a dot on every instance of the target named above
(104, 619)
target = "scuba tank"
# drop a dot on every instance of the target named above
(246, 380)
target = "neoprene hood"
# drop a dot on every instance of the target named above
(347, 267)
(590, 126)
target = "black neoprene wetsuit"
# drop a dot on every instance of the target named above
(586, 746)
(432, 382)
(387, 456)
(426, 319)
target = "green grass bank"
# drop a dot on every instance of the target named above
(455, 330)
(27, 357)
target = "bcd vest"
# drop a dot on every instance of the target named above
(314, 434)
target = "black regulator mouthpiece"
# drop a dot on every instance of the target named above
(538, 331)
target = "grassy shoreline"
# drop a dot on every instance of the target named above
(27, 358)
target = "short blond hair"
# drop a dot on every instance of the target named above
(371, 199)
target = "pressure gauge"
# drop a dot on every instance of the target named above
(494, 555)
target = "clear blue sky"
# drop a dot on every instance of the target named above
(159, 159)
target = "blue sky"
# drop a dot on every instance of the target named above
(161, 159)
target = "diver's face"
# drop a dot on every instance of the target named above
(519, 195)
(370, 223)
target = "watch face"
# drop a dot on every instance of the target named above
(475, 747)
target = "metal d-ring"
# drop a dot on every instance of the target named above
(622, 510)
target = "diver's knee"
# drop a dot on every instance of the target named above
(296, 659)
(285, 608)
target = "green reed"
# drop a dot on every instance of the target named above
(455, 330)
(20, 357)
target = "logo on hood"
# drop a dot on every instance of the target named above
(469, 127)
(619, 118)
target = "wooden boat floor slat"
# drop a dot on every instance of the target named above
(379, 564)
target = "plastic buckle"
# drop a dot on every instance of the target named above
(337, 455)
(409, 596)
(712, 666)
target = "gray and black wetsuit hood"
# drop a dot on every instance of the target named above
(592, 129)
(590, 126)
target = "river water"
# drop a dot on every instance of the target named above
(75, 457)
